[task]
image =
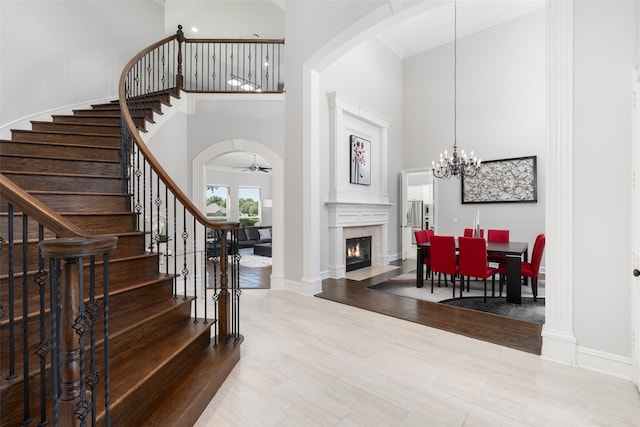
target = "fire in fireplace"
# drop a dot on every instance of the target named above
(358, 253)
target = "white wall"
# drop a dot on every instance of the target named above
(309, 26)
(501, 114)
(604, 53)
(62, 53)
(369, 75)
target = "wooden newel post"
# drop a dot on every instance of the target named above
(70, 251)
(69, 343)
(179, 76)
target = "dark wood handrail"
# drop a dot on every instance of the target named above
(38, 210)
(247, 41)
(129, 123)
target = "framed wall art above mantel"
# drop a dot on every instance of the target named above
(503, 181)
(360, 160)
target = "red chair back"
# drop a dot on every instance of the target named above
(443, 254)
(501, 236)
(430, 233)
(468, 232)
(421, 236)
(536, 254)
(473, 256)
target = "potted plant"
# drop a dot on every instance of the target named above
(163, 240)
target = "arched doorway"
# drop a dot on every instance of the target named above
(200, 163)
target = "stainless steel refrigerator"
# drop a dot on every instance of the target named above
(415, 217)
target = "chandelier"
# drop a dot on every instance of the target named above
(456, 164)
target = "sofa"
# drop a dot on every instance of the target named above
(247, 238)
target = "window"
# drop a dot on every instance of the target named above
(217, 202)
(249, 206)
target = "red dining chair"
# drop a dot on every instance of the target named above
(530, 269)
(501, 236)
(468, 232)
(443, 259)
(474, 263)
(422, 236)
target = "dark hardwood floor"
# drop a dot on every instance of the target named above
(516, 334)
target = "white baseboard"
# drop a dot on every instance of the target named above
(606, 363)
(24, 123)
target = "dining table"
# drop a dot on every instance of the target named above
(515, 253)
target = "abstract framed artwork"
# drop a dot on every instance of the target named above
(503, 181)
(360, 157)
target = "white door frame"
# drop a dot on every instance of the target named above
(635, 232)
(405, 227)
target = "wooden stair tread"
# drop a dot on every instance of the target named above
(63, 144)
(60, 174)
(75, 193)
(183, 405)
(41, 156)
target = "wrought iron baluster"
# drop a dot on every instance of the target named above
(105, 309)
(43, 346)
(26, 388)
(11, 285)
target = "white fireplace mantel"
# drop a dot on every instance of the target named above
(357, 210)
(348, 220)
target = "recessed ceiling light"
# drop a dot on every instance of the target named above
(194, 29)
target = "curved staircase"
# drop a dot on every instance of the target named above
(164, 366)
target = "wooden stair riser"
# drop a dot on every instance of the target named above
(113, 119)
(122, 316)
(100, 129)
(134, 410)
(41, 182)
(98, 223)
(60, 151)
(124, 273)
(138, 115)
(36, 164)
(128, 245)
(32, 254)
(119, 343)
(69, 138)
(77, 203)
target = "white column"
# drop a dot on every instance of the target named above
(558, 339)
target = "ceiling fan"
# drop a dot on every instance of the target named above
(255, 167)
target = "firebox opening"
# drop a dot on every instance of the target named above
(358, 254)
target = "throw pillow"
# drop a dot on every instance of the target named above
(265, 233)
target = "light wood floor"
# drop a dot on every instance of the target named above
(313, 362)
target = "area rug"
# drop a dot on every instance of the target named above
(254, 261)
(527, 311)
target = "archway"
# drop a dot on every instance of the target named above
(199, 164)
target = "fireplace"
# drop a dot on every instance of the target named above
(358, 253)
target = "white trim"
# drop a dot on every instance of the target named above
(558, 339)
(606, 363)
(199, 174)
(24, 123)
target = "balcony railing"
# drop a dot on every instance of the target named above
(208, 65)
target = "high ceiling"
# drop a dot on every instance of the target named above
(431, 24)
